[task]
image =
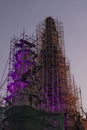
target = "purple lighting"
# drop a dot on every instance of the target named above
(13, 87)
(23, 63)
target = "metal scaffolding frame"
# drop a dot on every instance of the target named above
(40, 83)
(22, 78)
(56, 80)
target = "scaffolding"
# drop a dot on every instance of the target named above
(41, 91)
(22, 88)
(56, 81)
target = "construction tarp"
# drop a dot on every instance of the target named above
(27, 118)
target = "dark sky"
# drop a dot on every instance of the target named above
(18, 14)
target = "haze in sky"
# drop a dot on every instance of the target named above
(18, 14)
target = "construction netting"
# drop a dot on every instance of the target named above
(27, 118)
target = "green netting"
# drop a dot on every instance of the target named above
(27, 118)
(1, 113)
(2, 116)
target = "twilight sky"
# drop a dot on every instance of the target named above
(18, 14)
